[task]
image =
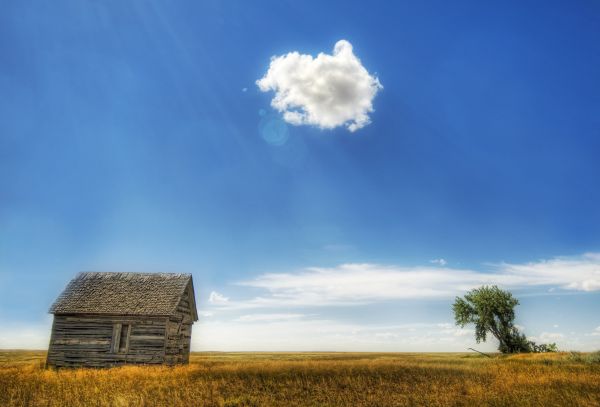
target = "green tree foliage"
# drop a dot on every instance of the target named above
(492, 310)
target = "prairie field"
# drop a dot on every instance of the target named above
(310, 379)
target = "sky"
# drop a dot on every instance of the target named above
(332, 174)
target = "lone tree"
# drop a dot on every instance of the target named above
(492, 310)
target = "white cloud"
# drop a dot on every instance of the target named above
(462, 332)
(441, 262)
(580, 273)
(449, 329)
(546, 337)
(596, 332)
(357, 283)
(268, 317)
(216, 298)
(326, 91)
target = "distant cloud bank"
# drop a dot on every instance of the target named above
(326, 91)
(324, 308)
(358, 283)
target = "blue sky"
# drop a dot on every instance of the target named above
(134, 137)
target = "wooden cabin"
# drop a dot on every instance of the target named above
(111, 319)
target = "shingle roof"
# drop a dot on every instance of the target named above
(123, 294)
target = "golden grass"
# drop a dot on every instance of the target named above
(308, 379)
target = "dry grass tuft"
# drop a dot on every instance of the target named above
(309, 379)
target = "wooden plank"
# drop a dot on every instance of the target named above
(116, 338)
(81, 341)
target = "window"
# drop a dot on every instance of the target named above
(123, 339)
(120, 338)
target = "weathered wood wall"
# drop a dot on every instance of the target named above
(179, 331)
(82, 340)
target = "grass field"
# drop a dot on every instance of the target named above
(310, 379)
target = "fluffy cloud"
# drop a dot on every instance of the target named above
(361, 283)
(216, 298)
(350, 284)
(580, 273)
(441, 262)
(326, 91)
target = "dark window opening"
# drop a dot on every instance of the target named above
(124, 339)
(120, 340)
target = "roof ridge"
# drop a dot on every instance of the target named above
(136, 272)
